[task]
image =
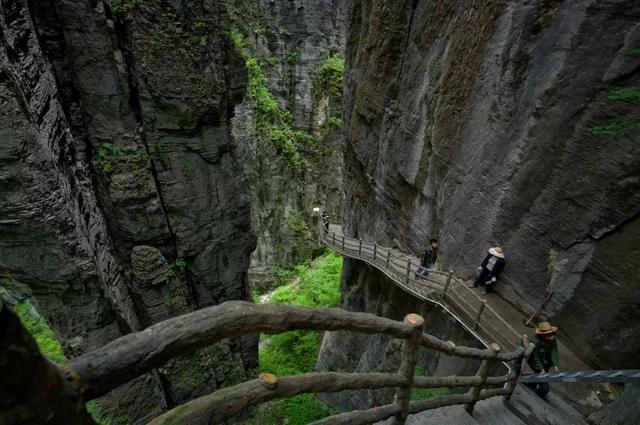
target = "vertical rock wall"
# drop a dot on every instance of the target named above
(502, 123)
(291, 42)
(122, 201)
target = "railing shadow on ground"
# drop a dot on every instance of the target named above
(443, 289)
(103, 369)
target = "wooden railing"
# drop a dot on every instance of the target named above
(440, 288)
(98, 372)
(135, 354)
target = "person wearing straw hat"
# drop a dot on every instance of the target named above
(490, 269)
(544, 356)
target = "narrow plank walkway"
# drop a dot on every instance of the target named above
(490, 318)
(441, 288)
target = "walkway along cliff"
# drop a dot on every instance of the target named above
(499, 124)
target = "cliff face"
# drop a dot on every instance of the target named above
(122, 201)
(502, 123)
(291, 151)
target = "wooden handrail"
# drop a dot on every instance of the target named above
(377, 414)
(228, 402)
(132, 355)
(97, 372)
(395, 266)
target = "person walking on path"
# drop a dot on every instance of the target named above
(490, 269)
(544, 356)
(325, 221)
(428, 258)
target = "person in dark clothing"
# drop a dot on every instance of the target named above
(490, 269)
(544, 356)
(428, 258)
(325, 221)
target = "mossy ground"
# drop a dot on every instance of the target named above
(311, 284)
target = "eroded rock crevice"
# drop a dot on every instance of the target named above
(109, 222)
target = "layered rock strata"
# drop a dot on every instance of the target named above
(122, 201)
(502, 123)
(296, 165)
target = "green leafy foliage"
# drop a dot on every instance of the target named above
(178, 266)
(335, 122)
(296, 352)
(125, 7)
(273, 122)
(318, 287)
(41, 332)
(427, 393)
(329, 78)
(111, 159)
(634, 51)
(618, 126)
(627, 94)
(623, 125)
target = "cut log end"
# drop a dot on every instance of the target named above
(414, 319)
(269, 380)
(495, 347)
(451, 344)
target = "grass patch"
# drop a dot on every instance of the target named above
(112, 159)
(634, 52)
(329, 78)
(427, 393)
(125, 7)
(41, 332)
(296, 352)
(335, 122)
(623, 126)
(627, 94)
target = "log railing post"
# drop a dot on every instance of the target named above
(333, 238)
(388, 256)
(483, 372)
(375, 250)
(407, 368)
(343, 243)
(479, 315)
(447, 283)
(408, 272)
(516, 367)
(360, 247)
(268, 380)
